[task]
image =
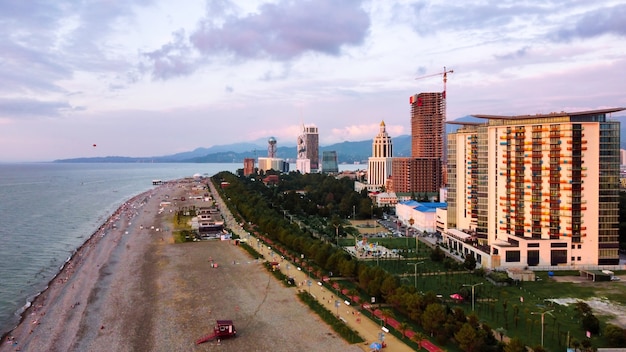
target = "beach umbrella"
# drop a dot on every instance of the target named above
(457, 297)
(376, 346)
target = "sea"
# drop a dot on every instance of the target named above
(48, 210)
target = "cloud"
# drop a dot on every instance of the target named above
(430, 19)
(519, 53)
(32, 108)
(277, 31)
(607, 20)
(172, 59)
(286, 30)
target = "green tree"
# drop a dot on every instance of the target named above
(433, 317)
(469, 339)
(515, 345)
(470, 262)
(403, 327)
(386, 314)
(418, 337)
(615, 335)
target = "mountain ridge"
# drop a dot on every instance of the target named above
(347, 152)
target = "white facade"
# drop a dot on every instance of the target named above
(303, 165)
(308, 150)
(386, 199)
(423, 215)
(379, 165)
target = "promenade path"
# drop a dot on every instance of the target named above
(350, 314)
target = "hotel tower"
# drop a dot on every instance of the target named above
(379, 164)
(536, 190)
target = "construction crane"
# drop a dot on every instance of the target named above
(445, 78)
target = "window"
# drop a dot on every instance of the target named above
(512, 256)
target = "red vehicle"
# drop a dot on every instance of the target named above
(223, 329)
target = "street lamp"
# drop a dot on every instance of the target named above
(474, 285)
(415, 265)
(337, 233)
(542, 316)
(411, 222)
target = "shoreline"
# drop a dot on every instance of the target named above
(34, 305)
(131, 288)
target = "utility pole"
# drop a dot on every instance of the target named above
(474, 285)
(415, 265)
(542, 316)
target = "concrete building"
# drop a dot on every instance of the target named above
(276, 164)
(423, 215)
(308, 150)
(248, 166)
(428, 119)
(536, 190)
(418, 176)
(329, 162)
(379, 164)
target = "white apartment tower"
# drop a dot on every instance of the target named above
(379, 164)
(308, 150)
(536, 190)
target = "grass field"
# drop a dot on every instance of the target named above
(517, 308)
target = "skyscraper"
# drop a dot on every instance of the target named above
(308, 150)
(329, 162)
(537, 190)
(379, 164)
(428, 119)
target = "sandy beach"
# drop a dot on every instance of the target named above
(130, 288)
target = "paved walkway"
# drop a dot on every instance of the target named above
(350, 314)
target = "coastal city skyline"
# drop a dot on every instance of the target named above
(147, 78)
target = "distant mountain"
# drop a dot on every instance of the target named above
(347, 152)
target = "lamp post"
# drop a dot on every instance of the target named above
(542, 316)
(411, 222)
(415, 265)
(337, 233)
(474, 285)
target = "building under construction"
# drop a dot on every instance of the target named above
(428, 118)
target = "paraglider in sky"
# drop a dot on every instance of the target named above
(94, 145)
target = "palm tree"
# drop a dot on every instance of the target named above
(403, 327)
(386, 314)
(418, 337)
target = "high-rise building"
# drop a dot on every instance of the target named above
(419, 176)
(536, 190)
(248, 166)
(428, 119)
(308, 150)
(379, 164)
(329, 162)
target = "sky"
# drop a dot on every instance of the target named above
(81, 78)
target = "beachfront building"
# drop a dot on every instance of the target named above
(536, 190)
(308, 150)
(419, 216)
(379, 164)
(276, 164)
